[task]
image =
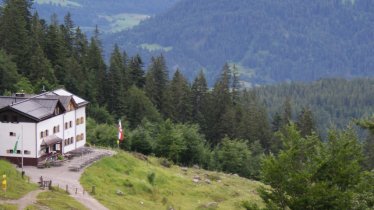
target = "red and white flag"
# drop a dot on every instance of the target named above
(120, 131)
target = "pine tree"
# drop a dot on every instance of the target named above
(14, 32)
(136, 71)
(180, 98)
(115, 89)
(156, 83)
(199, 100)
(8, 73)
(287, 111)
(305, 122)
(219, 105)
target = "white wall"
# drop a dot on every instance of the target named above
(7, 142)
(48, 125)
(81, 128)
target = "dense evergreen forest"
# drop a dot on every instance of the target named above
(270, 133)
(272, 41)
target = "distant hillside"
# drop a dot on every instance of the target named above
(125, 182)
(271, 41)
(110, 15)
(334, 102)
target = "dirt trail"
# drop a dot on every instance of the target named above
(23, 202)
(62, 177)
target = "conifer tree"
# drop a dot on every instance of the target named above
(219, 104)
(156, 83)
(96, 69)
(305, 122)
(199, 100)
(15, 30)
(136, 71)
(115, 90)
(8, 73)
(180, 98)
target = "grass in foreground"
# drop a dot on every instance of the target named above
(8, 207)
(16, 186)
(169, 187)
(57, 199)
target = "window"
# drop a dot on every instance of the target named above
(66, 125)
(56, 129)
(46, 132)
(26, 152)
(82, 120)
(12, 134)
(77, 121)
(41, 134)
(70, 124)
(57, 110)
(9, 151)
(65, 142)
(18, 151)
(14, 119)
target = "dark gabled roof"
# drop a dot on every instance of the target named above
(40, 107)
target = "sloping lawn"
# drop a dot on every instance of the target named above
(16, 186)
(125, 182)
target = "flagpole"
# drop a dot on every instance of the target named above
(22, 152)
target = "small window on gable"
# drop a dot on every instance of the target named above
(18, 151)
(57, 110)
(26, 152)
(14, 119)
(9, 151)
(12, 134)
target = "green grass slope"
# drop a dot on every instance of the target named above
(171, 187)
(17, 187)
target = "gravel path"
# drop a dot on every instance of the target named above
(62, 177)
(26, 200)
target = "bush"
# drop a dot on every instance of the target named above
(151, 178)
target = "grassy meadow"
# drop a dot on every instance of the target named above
(126, 182)
(16, 186)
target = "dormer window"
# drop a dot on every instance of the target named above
(57, 110)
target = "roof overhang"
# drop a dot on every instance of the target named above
(50, 140)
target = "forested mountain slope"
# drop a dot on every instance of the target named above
(271, 41)
(333, 102)
(109, 15)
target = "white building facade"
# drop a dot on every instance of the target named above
(37, 127)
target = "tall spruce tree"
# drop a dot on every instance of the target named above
(115, 90)
(96, 69)
(305, 122)
(180, 98)
(219, 105)
(156, 83)
(136, 71)
(199, 100)
(15, 31)
(8, 73)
